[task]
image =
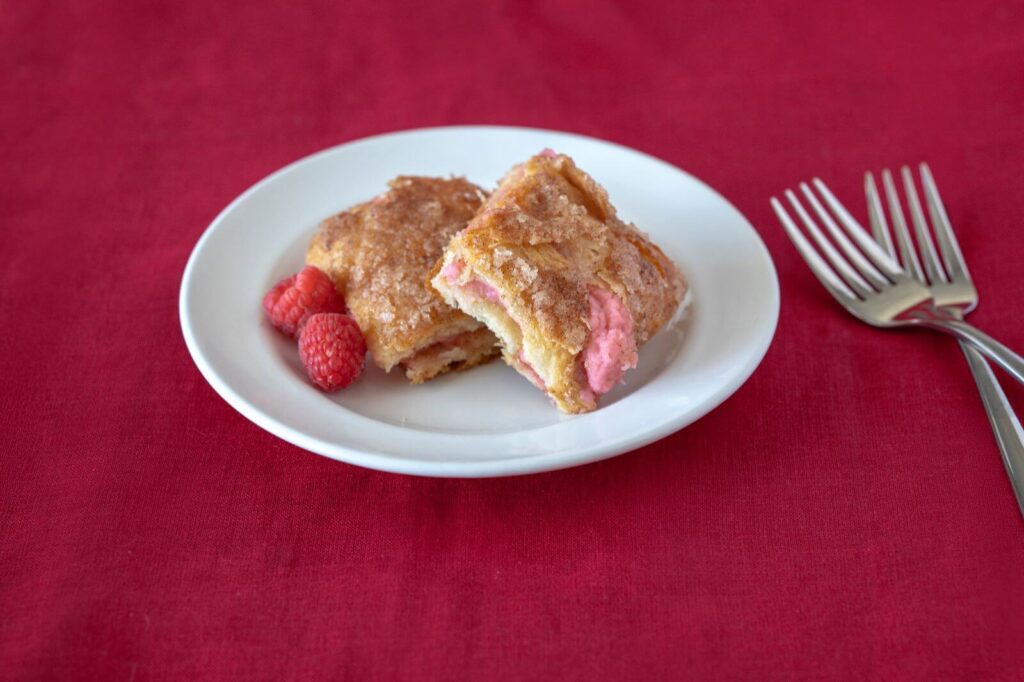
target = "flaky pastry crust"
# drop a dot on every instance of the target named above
(379, 252)
(544, 240)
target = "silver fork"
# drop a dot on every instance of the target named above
(952, 290)
(892, 298)
(869, 283)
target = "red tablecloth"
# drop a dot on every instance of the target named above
(844, 515)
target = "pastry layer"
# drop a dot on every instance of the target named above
(570, 290)
(379, 254)
(462, 351)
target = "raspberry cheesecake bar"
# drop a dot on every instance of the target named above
(379, 254)
(570, 290)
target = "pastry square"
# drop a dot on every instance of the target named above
(570, 290)
(379, 254)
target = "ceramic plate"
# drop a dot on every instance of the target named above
(488, 421)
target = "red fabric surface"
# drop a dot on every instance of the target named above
(844, 515)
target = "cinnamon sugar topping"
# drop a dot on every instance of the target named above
(545, 239)
(379, 254)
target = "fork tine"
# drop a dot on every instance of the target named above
(852, 278)
(879, 226)
(863, 267)
(908, 254)
(952, 258)
(819, 267)
(879, 258)
(929, 255)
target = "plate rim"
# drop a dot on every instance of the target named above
(462, 468)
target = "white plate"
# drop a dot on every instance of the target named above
(488, 421)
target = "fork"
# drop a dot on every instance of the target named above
(869, 283)
(951, 288)
(894, 299)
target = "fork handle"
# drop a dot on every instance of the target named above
(1005, 425)
(995, 351)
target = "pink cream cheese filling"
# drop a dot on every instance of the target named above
(610, 349)
(480, 289)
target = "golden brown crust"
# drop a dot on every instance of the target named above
(378, 254)
(544, 239)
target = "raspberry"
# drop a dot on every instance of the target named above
(333, 350)
(292, 300)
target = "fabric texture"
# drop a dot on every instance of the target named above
(844, 515)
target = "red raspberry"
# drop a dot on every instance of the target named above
(292, 300)
(333, 350)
